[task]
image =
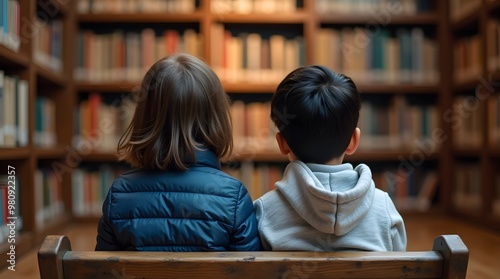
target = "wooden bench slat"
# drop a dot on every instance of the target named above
(447, 260)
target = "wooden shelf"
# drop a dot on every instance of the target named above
(50, 153)
(385, 155)
(49, 77)
(467, 152)
(14, 153)
(10, 58)
(248, 87)
(139, 17)
(493, 6)
(361, 19)
(100, 157)
(297, 17)
(467, 21)
(466, 85)
(398, 88)
(55, 8)
(112, 87)
(494, 153)
(360, 155)
(363, 88)
(24, 243)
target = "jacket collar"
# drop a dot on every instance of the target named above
(206, 157)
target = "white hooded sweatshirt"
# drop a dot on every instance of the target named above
(329, 208)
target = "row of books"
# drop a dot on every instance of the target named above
(9, 195)
(467, 123)
(135, 6)
(13, 111)
(392, 125)
(466, 187)
(257, 178)
(248, 6)
(253, 130)
(253, 6)
(386, 56)
(462, 8)
(396, 125)
(251, 57)
(100, 123)
(493, 45)
(10, 18)
(120, 56)
(410, 189)
(47, 44)
(45, 122)
(48, 193)
(468, 55)
(90, 187)
(494, 120)
(409, 7)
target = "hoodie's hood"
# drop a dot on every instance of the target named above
(332, 199)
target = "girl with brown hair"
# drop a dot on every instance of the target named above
(176, 198)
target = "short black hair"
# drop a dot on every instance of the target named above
(316, 110)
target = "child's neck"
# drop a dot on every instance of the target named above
(335, 161)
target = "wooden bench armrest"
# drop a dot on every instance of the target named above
(50, 256)
(455, 255)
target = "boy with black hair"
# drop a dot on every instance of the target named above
(322, 203)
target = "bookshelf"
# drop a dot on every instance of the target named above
(474, 95)
(303, 19)
(34, 78)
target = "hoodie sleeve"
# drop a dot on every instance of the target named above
(245, 235)
(398, 231)
(259, 212)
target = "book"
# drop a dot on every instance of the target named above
(47, 44)
(49, 202)
(404, 55)
(90, 186)
(45, 131)
(120, 56)
(22, 113)
(9, 127)
(405, 51)
(427, 191)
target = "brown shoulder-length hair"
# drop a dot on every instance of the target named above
(181, 108)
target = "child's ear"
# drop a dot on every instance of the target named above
(284, 148)
(353, 145)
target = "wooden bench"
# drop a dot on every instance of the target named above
(448, 259)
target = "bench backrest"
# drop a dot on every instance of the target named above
(448, 259)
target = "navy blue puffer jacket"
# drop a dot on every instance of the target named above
(201, 209)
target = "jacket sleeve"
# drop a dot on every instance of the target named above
(106, 240)
(245, 236)
(398, 231)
